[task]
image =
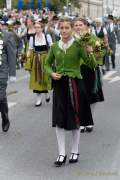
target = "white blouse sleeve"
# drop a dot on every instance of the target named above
(31, 43)
(49, 39)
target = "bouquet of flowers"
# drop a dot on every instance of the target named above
(83, 39)
(88, 39)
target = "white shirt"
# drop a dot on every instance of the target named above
(40, 42)
(111, 27)
(65, 46)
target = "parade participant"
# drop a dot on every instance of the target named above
(101, 32)
(91, 77)
(52, 27)
(70, 103)
(38, 46)
(112, 33)
(30, 32)
(30, 28)
(76, 26)
(7, 68)
(17, 30)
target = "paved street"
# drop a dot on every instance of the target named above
(28, 150)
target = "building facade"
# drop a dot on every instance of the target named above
(98, 8)
(111, 7)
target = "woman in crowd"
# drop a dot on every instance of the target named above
(30, 28)
(38, 49)
(30, 32)
(70, 103)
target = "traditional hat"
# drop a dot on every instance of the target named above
(110, 16)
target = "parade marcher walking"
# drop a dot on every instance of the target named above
(101, 32)
(38, 46)
(7, 68)
(30, 32)
(30, 28)
(112, 32)
(70, 103)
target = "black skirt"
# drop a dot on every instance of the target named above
(40, 92)
(71, 107)
(93, 84)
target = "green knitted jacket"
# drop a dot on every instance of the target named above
(68, 63)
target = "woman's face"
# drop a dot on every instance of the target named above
(29, 23)
(65, 30)
(38, 28)
(79, 26)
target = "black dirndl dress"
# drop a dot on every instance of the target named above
(70, 103)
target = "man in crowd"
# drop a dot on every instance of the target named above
(101, 32)
(112, 32)
(7, 70)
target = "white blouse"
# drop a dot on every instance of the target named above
(40, 41)
(65, 46)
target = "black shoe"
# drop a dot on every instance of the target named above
(103, 71)
(72, 159)
(47, 99)
(5, 125)
(82, 129)
(59, 163)
(89, 129)
(113, 67)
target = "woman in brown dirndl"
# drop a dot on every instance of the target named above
(70, 103)
(40, 83)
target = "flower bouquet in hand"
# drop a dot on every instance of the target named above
(88, 39)
(85, 42)
(83, 39)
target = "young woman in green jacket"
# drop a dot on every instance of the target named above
(70, 102)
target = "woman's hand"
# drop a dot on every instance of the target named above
(55, 76)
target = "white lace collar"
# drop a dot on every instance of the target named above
(65, 46)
